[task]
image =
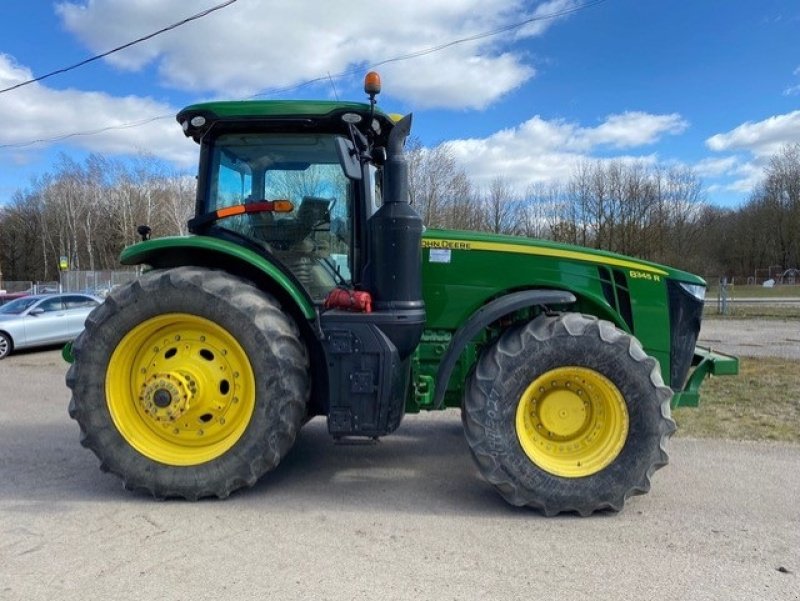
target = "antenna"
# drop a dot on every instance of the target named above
(333, 85)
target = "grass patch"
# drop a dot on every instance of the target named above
(757, 291)
(761, 403)
(710, 311)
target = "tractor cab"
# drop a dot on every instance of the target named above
(319, 190)
(298, 184)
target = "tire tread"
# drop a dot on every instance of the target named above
(507, 350)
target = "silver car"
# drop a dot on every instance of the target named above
(43, 319)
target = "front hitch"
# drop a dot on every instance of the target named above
(706, 363)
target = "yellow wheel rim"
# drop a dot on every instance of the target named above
(572, 422)
(180, 389)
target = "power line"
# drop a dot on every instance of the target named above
(308, 82)
(90, 132)
(150, 36)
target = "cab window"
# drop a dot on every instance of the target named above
(310, 235)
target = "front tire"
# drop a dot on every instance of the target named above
(189, 383)
(567, 414)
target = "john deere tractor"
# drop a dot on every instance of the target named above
(309, 287)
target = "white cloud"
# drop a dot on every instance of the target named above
(539, 150)
(758, 139)
(716, 167)
(632, 129)
(746, 177)
(252, 46)
(761, 138)
(41, 113)
(454, 81)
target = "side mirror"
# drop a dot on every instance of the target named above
(36, 311)
(348, 158)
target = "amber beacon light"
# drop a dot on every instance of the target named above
(372, 83)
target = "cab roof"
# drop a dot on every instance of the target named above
(322, 115)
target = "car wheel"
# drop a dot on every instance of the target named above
(6, 345)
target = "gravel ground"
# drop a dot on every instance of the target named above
(406, 518)
(753, 337)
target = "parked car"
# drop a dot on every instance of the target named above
(7, 297)
(43, 319)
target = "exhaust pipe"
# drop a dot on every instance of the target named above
(393, 274)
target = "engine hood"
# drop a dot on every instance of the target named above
(461, 240)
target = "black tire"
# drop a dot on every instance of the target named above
(500, 379)
(6, 345)
(269, 341)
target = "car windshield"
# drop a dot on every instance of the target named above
(16, 307)
(311, 234)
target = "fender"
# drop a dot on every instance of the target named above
(205, 250)
(487, 314)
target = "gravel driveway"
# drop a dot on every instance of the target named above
(406, 518)
(753, 337)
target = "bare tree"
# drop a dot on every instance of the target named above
(88, 212)
(440, 190)
(499, 202)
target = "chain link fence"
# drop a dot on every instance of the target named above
(99, 283)
(12, 287)
(27, 287)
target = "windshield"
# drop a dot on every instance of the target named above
(16, 307)
(313, 239)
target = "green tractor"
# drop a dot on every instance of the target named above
(311, 288)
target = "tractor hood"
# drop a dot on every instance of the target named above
(461, 240)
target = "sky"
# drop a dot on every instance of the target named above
(713, 85)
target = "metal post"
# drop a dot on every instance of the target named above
(723, 296)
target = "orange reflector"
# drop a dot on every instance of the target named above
(270, 206)
(228, 211)
(372, 83)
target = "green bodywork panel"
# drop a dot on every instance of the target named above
(463, 271)
(147, 252)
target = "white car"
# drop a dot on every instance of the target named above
(43, 319)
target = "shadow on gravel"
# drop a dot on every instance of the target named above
(423, 468)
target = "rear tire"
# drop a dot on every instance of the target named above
(189, 383)
(567, 414)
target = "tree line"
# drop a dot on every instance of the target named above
(764, 232)
(655, 212)
(88, 211)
